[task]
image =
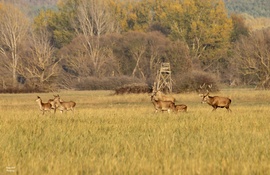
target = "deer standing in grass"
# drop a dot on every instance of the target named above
(43, 106)
(160, 105)
(216, 101)
(164, 97)
(64, 106)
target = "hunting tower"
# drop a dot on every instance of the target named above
(164, 80)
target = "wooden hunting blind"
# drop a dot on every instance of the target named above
(164, 80)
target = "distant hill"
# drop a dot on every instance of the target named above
(255, 8)
(32, 7)
(37, 2)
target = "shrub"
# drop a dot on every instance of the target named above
(133, 88)
(192, 81)
(106, 83)
(21, 90)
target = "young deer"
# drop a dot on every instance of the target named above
(53, 103)
(43, 106)
(180, 108)
(61, 105)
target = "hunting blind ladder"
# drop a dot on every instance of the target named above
(164, 80)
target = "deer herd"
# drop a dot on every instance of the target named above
(160, 101)
(56, 103)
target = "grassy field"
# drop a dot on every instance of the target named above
(110, 134)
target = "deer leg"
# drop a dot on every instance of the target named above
(214, 108)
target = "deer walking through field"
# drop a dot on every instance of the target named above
(216, 101)
(43, 106)
(64, 106)
(52, 102)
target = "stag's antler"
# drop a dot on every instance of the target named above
(202, 86)
(209, 87)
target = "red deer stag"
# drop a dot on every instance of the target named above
(43, 106)
(216, 101)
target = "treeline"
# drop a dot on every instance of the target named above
(104, 44)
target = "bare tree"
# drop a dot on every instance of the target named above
(79, 64)
(136, 44)
(40, 66)
(13, 29)
(158, 45)
(93, 20)
(252, 55)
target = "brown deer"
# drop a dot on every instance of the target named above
(216, 101)
(61, 105)
(180, 108)
(43, 106)
(52, 102)
(160, 105)
(163, 97)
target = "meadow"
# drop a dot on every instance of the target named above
(109, 134)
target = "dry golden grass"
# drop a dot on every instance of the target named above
(122, 135)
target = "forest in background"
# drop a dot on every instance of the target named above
(85, 45)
